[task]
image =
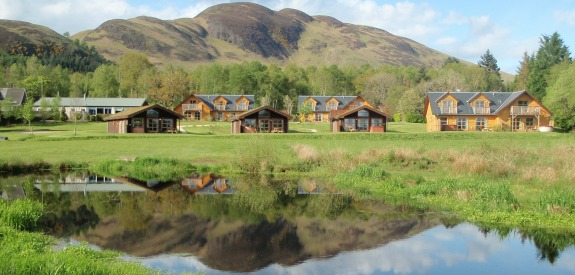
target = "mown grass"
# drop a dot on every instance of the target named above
(24, 251)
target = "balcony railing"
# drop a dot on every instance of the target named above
(448, 110)
(221, 107)
(524, 110)
(481, 110)
(191, 107)
(241, 107)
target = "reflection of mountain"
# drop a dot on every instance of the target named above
(233, 246)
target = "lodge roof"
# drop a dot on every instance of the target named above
(96, 102)
(498, 100)
(251, 112)
(17, 95)
(339, 114)
(132, 112)
(322, 100)
(230, 101)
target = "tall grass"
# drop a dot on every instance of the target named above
(161, 169)
(22, 214)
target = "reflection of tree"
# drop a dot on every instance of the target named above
(70, 222)
(134, 213)
(549, 245)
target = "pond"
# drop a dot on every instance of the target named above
(264, 225)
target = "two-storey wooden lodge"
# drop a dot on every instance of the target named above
(468, 111)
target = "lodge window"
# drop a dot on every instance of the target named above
(480, 123)
(232, 115)
(529, 122)
(250, 122)
(197, 116)
(264, 113)
(278, 124)
(461, 123)
(362, 124)
(443, 121)
(376, 122)
(138, 122)
(264, 125)
(332, 106)
(153, 125)
(152, 113)
(447, 107)
(219, 116)
(167, 124)
(516, 124)
(318, 117)
(363, 113)
(349, 124)
(242, 106)
(523, 103)
(220, 106)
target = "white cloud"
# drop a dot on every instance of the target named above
(565, 16)
(455, 18)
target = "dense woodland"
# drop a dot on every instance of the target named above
(548, 74)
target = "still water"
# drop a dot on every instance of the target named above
(277, 226)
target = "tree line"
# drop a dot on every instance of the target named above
(395, 89)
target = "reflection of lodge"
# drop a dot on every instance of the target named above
(207, 184)
(314, 186)
(94, 183)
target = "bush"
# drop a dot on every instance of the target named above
(414, 118)
(21, 214)
(397, 117)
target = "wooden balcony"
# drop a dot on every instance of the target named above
(448, 111)
(191, 107)
(525, 111)
(220, 107)
(481, 110)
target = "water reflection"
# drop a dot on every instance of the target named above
(266, 226)
(207, 184)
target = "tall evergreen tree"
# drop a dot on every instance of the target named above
(492, 76)
(522, 77)
(551, 51)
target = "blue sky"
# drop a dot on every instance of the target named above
(464, 29)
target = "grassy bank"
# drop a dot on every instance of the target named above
(25, 251)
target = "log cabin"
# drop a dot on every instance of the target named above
(485, 111)
(145, 119)
(360, 119)
(261, 120)
(215, 107)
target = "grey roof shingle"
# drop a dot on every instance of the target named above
(231, 100)
(499, 100)
(321, 101)
(17, 95)
(96, 102)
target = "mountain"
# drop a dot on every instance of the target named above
(23, 38)
(237, 32)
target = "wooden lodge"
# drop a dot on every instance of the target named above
(360, 119)
(322, 106)
(485, 111)
(261, 120)
(145, 119)
(215, 107)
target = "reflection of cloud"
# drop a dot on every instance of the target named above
(438, 250)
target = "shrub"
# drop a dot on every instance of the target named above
(414, 118)
(397, 117)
